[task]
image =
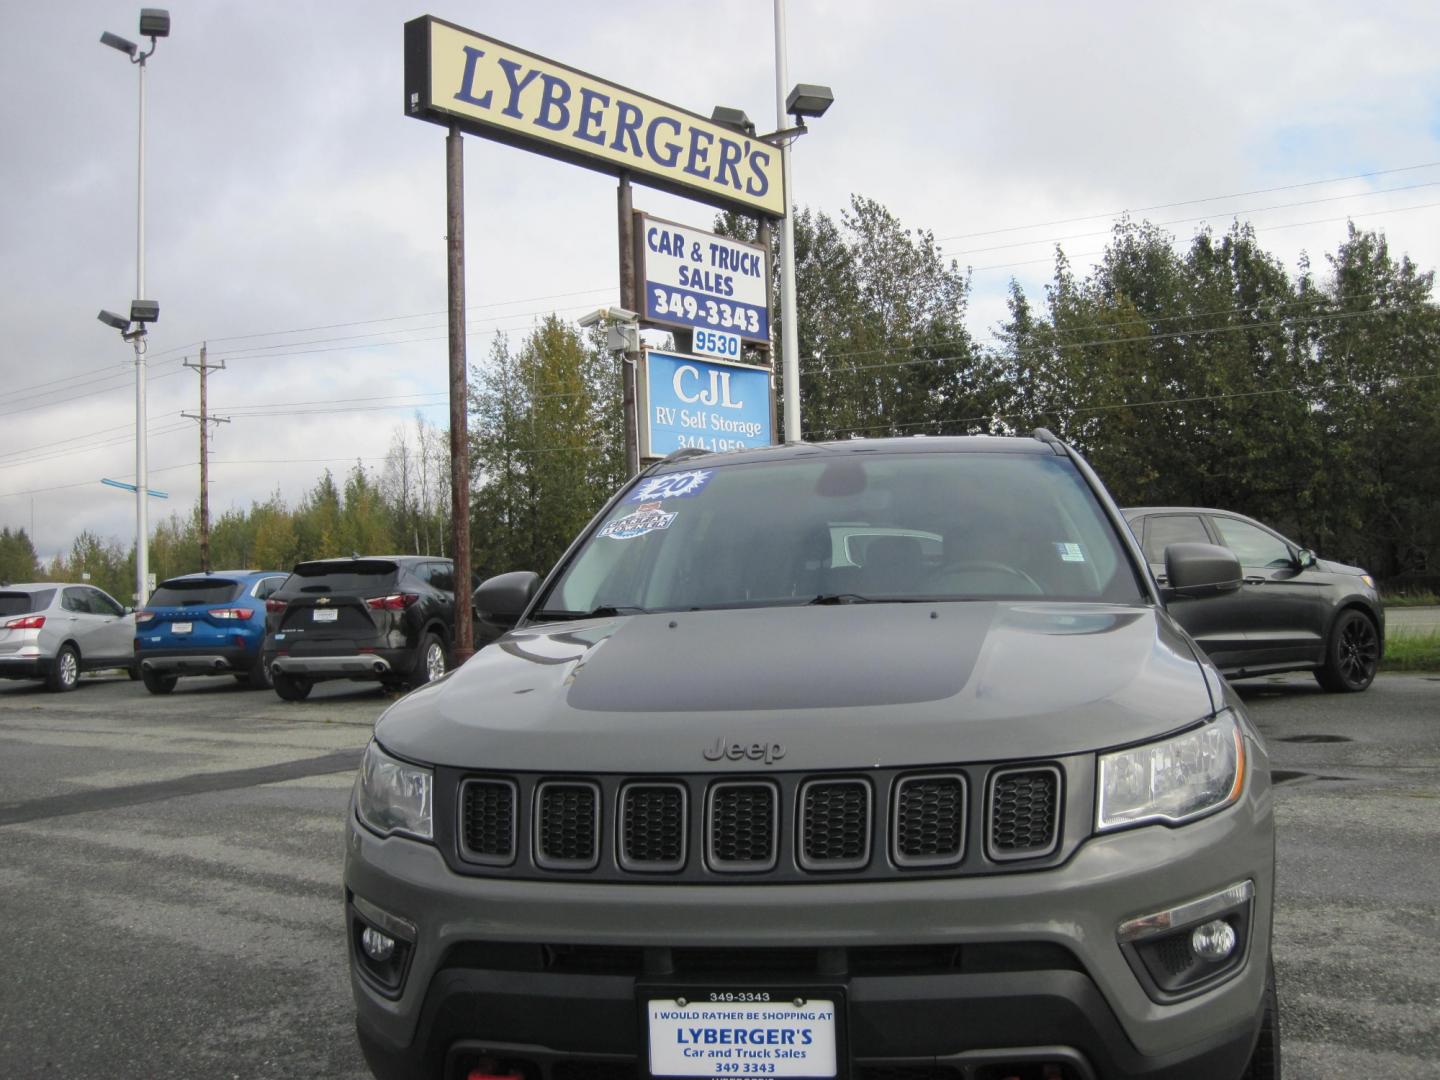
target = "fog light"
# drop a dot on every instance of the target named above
(1214, 940)
(380, 947)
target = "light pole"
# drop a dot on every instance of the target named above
(154, 24)
(804, 100)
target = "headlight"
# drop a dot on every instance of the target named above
(1173, 780)
(393, 796)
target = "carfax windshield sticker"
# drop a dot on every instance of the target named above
(647, 518)
(1070, 552)
(675, 486)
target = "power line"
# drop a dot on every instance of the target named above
(1189, 202)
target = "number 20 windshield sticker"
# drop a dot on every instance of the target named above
(673, 486)
(645, 519)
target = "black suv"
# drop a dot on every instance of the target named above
(386, 618)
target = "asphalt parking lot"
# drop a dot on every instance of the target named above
(170, 875)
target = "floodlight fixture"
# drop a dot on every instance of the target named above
(154, 23)
(733, 118)
(808, 99)
(115, 41)
(119, 322)
(144, 311)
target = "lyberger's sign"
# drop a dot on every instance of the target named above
(504, 93)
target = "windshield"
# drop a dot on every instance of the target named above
(850, 528)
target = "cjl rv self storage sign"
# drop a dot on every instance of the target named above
(709, 404)
(693, 278)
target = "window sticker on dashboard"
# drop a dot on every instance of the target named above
(674, 486)
(647, 518)
(1069, 552)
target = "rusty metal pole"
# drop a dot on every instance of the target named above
(464, 638)
(629, 298)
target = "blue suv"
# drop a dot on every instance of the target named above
(205, 624)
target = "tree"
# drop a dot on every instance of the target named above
(17, 557)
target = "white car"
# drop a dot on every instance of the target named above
(54, 631)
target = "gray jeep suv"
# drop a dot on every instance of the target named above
(874, 760)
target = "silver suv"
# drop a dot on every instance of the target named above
(53, 631)
(866, 760)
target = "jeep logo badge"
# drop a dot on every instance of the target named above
(755, 751)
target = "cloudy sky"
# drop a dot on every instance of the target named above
(296, 216)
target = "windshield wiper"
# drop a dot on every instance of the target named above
(840, 598)
(604, 611)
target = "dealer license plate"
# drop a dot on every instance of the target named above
(741, 1036)
(326, 614)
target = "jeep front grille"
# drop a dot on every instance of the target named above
(488, 832)
(1024, 812)
(652, 827)
(567, 825)
(890, 823)
(834, 824)
(930, 820)
(743, 827)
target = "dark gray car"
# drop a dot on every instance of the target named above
(860, 760)
(1292, 612)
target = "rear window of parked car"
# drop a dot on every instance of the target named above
(23, 603)
(371, 577)
(198, 591)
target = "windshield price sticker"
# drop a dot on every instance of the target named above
(701, 280)
(742, 1037)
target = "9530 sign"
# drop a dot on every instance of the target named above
(679, 305)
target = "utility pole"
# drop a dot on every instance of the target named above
(205, 421)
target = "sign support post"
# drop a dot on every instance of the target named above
(628, 299)
(763, 238)
(463, 644)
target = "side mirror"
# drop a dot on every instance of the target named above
(1201, 570)
(503, 598)
(1305, 558)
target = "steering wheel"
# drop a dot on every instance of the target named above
(987, 566)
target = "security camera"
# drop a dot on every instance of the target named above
(608, 315)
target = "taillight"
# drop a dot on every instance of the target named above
(275, 607)
(29, 622)
(233, 613)
(393, 602)
(144, 616)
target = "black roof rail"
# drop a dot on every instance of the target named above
(682, 454)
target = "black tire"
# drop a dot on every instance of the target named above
(65, 672)
(259, 677)
(1352, 654)
(291, 687)
(157, 683)
(134, 672)
(431, 661)
(1265, 1059)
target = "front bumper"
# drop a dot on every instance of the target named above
(1039, 974)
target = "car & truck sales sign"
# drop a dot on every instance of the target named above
(709, 404)
(454, 75)
(693, 278)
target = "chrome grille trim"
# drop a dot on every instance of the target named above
(898, 821)
(1056, 801)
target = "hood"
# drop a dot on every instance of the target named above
(1332, 567)
(838, 687)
